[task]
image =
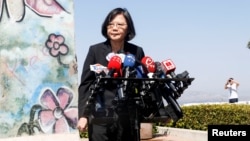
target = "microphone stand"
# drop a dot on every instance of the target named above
(134, 114)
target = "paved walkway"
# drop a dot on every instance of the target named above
(160, 138)
(74, 137)
(167, 138)
(173, 134)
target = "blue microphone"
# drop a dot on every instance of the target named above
(129, 66)
(128, 71)
(129, 60)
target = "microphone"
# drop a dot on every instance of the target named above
(178, 86)
(98, 68)
(159, 73)
(121, 53)
(149, 64)
(114, 65)
(128, 71)
(140, 73)
(110, 55)
(167, 90)
(168, 67)
(129, 60)
(129, 65)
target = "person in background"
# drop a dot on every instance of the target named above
(118, 29)
(232, 86)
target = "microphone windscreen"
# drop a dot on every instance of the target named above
(98, 68)
(159, 73)
(115, 63)
(121, 53)
(168, 66)
(110, 55)
(148, 63)
(122, 56)
(129, 60)
(158, 66)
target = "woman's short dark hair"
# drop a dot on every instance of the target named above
(131, 29)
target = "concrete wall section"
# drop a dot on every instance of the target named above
(38, 68)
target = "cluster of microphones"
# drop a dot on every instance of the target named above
(152, 84)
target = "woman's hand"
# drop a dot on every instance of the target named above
(82, 124)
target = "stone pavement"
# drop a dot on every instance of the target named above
(165, 134)
(74, 137)
(160, 138)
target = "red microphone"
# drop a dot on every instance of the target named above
(114, 65)
(149, 64)
(168, 67)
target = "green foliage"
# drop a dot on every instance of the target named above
(198, 117)
(83, 134)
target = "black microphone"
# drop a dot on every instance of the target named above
(159, 73)
(168, 92)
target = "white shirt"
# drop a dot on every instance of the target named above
(232, 91)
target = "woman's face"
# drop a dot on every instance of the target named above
(117, 28)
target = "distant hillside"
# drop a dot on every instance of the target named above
(200, 97)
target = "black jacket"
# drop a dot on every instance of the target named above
(97, 54)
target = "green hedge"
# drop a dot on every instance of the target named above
(198, 117)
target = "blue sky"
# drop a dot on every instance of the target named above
(207, 38)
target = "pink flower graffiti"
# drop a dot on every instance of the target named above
(45, 7)
(56, 46)
(16, 8)
(57, 115)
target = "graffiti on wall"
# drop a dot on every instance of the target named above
(38, 67)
